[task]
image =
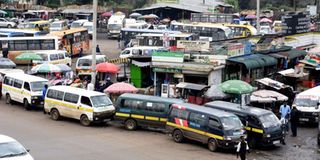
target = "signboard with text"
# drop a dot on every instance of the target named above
(236, 49)
(193, 45)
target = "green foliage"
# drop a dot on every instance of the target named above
(235, 3)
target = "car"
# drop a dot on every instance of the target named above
(12, 149)
(6, 23)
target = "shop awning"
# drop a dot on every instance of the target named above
(294, 53)
(192, 86)
(254, 60)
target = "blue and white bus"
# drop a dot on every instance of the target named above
(11, 32)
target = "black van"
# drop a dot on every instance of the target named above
(263, 127)
(209, 126)
(135, 110)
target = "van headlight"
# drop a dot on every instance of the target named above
(315, 113)
(227, 138)
(267, 135)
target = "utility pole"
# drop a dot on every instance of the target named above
(258, 17)
(94, 42)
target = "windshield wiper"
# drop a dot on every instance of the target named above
(13, 154)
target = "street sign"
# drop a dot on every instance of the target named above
(193, 45)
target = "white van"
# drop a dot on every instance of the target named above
(84, 64)
(308, 103)
(78, 23)
(58, 26)
(84, 105)
(139, 51)
(89, 26)
(53, 57)
(23, 88)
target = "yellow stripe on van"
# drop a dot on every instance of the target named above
(137, 116)
(257, 130)
(196, 131)
(10, 88)
(163, 119)
(247, 128)
(152, 118)
(122, 114)
(63, 104)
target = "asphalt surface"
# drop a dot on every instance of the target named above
(67, 139)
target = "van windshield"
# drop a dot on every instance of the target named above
(305, 102)
(269, 120)
(84, 63)
(37, 86)
(56, 25)
(231, 123)
(75, 25)
(101, 101)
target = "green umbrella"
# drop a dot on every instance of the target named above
(28, 56)
(236, 87)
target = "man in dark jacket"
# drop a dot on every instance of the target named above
(242, 148)
(294, 121)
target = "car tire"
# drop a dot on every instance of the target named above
(84, 120)
(212, 145)
(9, 26)
(178, 136)
(26, 104)
(130, 124)
(54, 114)
(8, 99)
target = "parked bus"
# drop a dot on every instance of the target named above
(127, 34)
(18, 45)
(73, 40)
(12, 32)
(206, 31)
(241, 31)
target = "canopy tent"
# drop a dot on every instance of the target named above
(214, 92)
(267, 96)
(191, 86)
(291, 54)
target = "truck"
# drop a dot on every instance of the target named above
(115, 24)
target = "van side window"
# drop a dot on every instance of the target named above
(53, 57)
(17, 83)
(198, 118)
(51, 93)
(155, 107)
(214, 123)
(72, 98)
(86, 101)
(8, 81)
(61, 56)
(134, 104)
(178, 113)
(26, 86)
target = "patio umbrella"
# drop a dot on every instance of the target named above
(120, 88)
(214, 92)
(135, 15)
(150, 16)
(251, 16)
(7, 63)
(236, 87)
(64, 67)
(107, 67)
(266, 20)
(45, 68)
(267, 96)
(3, 12)
(106, 14)
(28, 56)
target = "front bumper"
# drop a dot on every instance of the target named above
(227, 144)
(37, 102)
(308, 117)
(103, 116)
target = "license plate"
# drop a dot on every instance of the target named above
(304, 119)
(276, 142)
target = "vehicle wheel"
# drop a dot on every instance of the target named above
(178, 136)
(130, 124)
(54, 114)
(26, 104)
(252, 143)
(9, 26)
(212, 145)
(8, 99)
(84, 120)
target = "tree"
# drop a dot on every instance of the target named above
(234, 3)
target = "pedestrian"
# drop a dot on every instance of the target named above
(285, 113)
(44, 91)
(283, 122)
(81, 52)
(119, 39)
(5, 50)
(294, 119)
(242, 148)
(98, 49)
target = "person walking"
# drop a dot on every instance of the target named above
(283, 122)
(285, 113)
(44, 91)
(81, 52)
(294, 119)
(242, 148)
(98, 49)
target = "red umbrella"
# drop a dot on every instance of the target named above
(106, 14)
(267, 20)
(120, 88)
(107, 67)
